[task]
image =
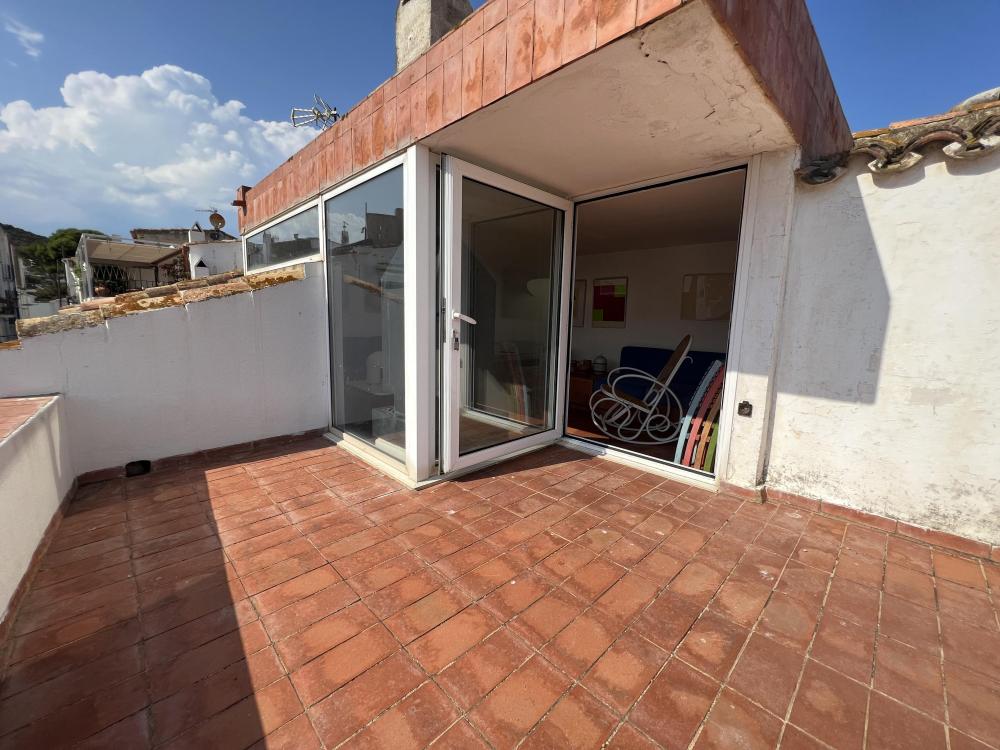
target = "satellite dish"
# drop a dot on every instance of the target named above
(217, 220)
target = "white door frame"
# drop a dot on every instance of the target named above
(452, 172)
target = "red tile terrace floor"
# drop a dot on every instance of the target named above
(14, 412)
(298, 599)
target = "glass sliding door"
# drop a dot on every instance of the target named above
(364, 249)
(505, 259)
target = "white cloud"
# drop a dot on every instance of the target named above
(132, 150)
(26, 36)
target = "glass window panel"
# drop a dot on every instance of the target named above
(511, 261)
(294, 238)
(364, 228)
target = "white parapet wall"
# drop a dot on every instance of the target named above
(36, 474)
(888, 384)
(188, 377)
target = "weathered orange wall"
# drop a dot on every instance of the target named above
(507, 44)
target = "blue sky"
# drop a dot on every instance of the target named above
(890, 59)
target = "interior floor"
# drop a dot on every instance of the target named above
(580, 425)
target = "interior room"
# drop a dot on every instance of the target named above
(653, 288)
(510, 277)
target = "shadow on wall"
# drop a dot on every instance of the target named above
(151, 618)
(837, 301)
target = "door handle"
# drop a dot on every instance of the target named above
(459, 316)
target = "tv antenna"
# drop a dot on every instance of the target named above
(217, 220)
(321, 114)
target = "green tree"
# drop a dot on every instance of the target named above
(43, 263)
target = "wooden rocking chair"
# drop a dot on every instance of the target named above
(646, 420)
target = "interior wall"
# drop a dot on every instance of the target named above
(886, 385)
(183, 379)
(653, 306)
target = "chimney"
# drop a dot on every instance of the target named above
(420, 23)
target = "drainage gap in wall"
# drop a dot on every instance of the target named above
(137, 468)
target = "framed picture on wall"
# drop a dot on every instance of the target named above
(610, 298)
(579, 303)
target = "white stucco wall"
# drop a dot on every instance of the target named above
(36, 473)
(183, 379)
(219, 257)
(888, 384)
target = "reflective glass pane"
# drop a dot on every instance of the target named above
(293, 238)
(364, 230)
(511, 260)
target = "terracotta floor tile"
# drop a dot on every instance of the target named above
(461, 562)
(914, 587)
(741, 601)
(593, 579)
(460, 736)
(666, 621)
(171, 644)
(203, 700)
(243, 723)
(627, 598)
(284, 570)
(910, 554)
(563, 563)
(767, 673)
(970, 646)
(909, 623)
(516, 595)
(49, 697)
(846, 647)
(482, 580)
(627, 737)
(424, 614)
(581, 643)
(547, 616)
(788, 621)
(804, 583)
(412, 723)
(967, 604)
(736, 722)
(853, 602)
(304, 612)
(353, 706)
(697, 582)
(624, 671)
(403, 592)
(859, 568)
(514, 707)
(132, 731)
(324, 634)
(199, 663)
(136, 568)
(675, 704)
(483, 667)
(438, 648)
(84, 718)
(297, 734)
(712, 645)
(577, 721)
(297, 588)
(893, 726)
(384, 574)
(830, 707)
(910, 675)
(338, 666)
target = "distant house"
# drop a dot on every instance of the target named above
(8, 289)
(153, 257)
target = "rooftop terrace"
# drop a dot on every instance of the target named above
(291, 596)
